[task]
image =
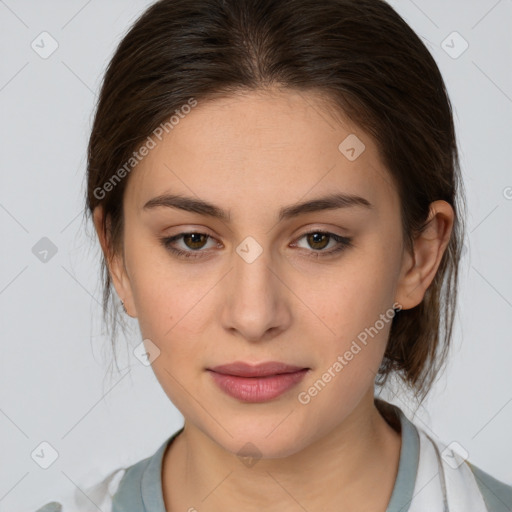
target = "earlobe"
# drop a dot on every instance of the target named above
(115, 264)
(419, 269)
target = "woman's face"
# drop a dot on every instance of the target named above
(258, 287)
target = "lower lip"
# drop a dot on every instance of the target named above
(257, 389)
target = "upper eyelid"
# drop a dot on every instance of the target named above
(179, 236)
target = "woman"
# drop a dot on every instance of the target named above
(276, 189)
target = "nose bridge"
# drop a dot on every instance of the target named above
(252, 275)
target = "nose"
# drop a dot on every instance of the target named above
(256, 306)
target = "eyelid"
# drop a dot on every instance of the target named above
(179, 236)
(342, 243)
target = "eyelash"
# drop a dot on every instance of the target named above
(343, 243)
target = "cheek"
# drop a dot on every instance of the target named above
(169, 313)
(360, 313)
(357, 294)
(164, 293)
(357, 310)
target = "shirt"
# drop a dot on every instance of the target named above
(431, 477)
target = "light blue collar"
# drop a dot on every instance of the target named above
(142, 486)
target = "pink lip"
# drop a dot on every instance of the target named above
(256, 383)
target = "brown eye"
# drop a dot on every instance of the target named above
(195, 240)
(318, 240)
(192, 244)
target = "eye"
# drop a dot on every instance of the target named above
(319, 240)
(193, 240)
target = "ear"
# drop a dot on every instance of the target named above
(115, 263)
(419, 269)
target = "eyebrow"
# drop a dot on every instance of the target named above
(190, 204)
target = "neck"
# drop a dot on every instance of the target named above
(355, 464)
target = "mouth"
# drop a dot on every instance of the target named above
(256, 383)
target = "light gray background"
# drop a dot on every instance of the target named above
(54, 353)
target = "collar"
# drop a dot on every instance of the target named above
(148, 479)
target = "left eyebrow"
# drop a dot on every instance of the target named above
(330, 202)
(190, 204)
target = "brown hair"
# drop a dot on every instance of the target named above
(361, 55)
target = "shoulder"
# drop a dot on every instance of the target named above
(497, 495)
(128, 493)
(119, 491)
(88, 497)
(460, 482)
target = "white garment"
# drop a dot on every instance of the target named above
(444, 482)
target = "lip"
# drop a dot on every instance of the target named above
(240, 369)
(256, 383)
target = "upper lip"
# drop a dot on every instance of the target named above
(240, 369)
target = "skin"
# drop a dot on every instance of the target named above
(253, 154)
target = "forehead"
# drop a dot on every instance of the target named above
(259, 150)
